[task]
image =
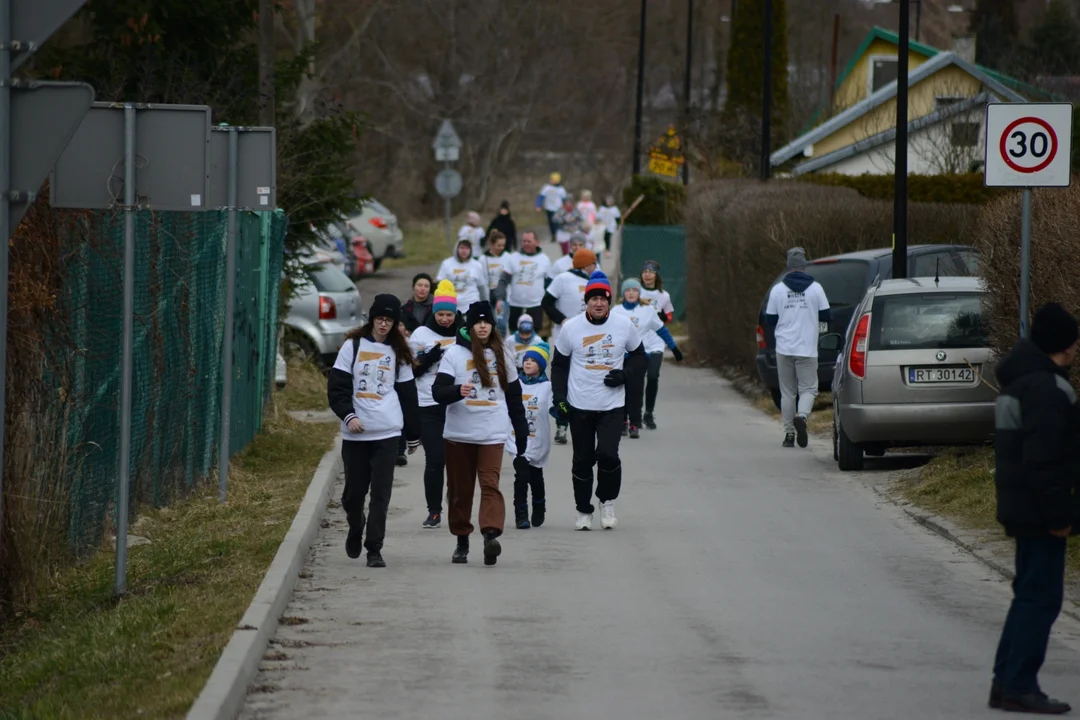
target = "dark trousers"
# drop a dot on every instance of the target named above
(537, 314)
(551, 223)
(635, 389)
(533, 479)
(596, 442)
(652, 380)
(432, 420)
(1038, 592)
(369, 464)
(607, 239)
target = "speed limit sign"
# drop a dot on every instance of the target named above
(1028, 144)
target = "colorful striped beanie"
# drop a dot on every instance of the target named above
(445, 297)
(540, 352)
(598, 286)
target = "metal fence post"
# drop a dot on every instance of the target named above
(230, 310)
(126, 365)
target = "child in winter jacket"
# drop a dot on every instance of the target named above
(529, 468)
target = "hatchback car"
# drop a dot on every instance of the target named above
(844, 278)
(913, 370)
(320, 313)
(380, 227)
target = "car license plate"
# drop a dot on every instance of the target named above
(927, 376)
(823, 327)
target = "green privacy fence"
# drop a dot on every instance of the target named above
(178, 328)
(667, 245)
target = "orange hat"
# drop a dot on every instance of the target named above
(583, 258)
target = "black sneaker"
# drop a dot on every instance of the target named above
(800, 431)
(433, 520)
(1034, 703)
(402, 460)
(374, 559)
(354, 543)
(789, 440)
(492, 549)
(538, 513)
(560, 436)
(461, 552)
(521, 517)
(634, 433)
(995, 696)
(650, 421)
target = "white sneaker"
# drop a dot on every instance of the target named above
(584, 521)
(607, 515)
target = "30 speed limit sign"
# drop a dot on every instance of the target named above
(1027, 144)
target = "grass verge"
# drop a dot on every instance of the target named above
(80, 654)
(305, 389)
(425, 243)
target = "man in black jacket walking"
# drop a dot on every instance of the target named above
(1037, 482)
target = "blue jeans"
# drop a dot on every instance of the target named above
(1038, 592)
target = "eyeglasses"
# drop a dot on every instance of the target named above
(384, 321)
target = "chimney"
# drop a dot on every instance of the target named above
(964, 46)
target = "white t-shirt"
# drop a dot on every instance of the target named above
(647, 323)
(474, 235)
(660, 300)
(423, 340)
(494, 266)
(527, 278)
(797, 328)
(594, 350)
(596, 239)
(520, 346)
(553, 196)
(374, 371)
(566, 262)
(587, 210)
(537, 401)
(467, 277)
(481, 418)
(608, 216)
(568, 289)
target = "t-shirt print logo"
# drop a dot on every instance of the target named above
(532, 410)
(372, 384)
(480, 396)
(597, 356)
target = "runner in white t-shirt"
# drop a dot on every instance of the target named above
(595, 354)
(466, 274)
(529, 470)
(494, 261)
(608, 214)
(372, 390)
(474, 232)
(524, 279)
(550, 200)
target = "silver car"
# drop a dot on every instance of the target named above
(381, 229)
(913, 370)
(320, 314)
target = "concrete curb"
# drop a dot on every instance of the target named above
(223, 695)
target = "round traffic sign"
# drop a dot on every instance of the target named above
(1028, 145)
(448, 183)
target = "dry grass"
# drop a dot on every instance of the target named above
(78, 654)
(305, 389)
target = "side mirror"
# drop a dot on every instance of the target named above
(832, 341)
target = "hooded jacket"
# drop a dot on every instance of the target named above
(1035, 445)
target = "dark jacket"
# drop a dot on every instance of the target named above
(414, 314)
(1035, 446)
(505, 224)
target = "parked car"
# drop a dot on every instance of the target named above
(380, 227)
(320, 313)
(845, 278)
(913, 370)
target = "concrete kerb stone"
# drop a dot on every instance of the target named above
(225, 691)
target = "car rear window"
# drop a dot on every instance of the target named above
(843, 281)
(927, 322)
(329, 279)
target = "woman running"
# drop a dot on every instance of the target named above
(478, 384)
(371, 388)
(653, 293)
(466, 274)
(429, 341)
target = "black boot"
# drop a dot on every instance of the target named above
(521, 516)
(461, 552)
(538, 513)
(374, 559)
(354, 543)
(1035, 703)
(492, 548)
(649, 420)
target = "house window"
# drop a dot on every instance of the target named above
(964, 134)
(883, 71)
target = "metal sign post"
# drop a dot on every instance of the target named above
(1028, 146)
(447, 147)
(124, 490)
(230, 310)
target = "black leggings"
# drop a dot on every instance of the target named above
(596, 442)
(369, 465)
(652, 380)
(432, 420)
(532, 479)
(646, 384)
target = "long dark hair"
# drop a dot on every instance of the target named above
(394, 339)
(494, 342)
(659, 280)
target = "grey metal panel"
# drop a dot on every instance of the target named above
(172, 148)
(257, 181)
(32, 21)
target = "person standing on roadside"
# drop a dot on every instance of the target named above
(417, 309)
(567, 222)
(466, 274)
(473, 232)
(372, 390)
(550, 199)
(494, 261)
(504, 223)
(524, 279)
(529, 468)
(479, 386)
(796, 308)
(1037, 478)
(428, 343)
(608, 214)
(595, 353)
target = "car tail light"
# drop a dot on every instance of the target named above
(327, 308)
(378, 222)
(857, 359)
(760, 338)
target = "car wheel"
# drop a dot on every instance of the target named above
(775, 392)
(849, 454)
(299, 347)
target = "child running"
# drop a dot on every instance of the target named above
(522, 339)
(653, 293)
(529, 468)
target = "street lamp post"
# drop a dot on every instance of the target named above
(640, 92)
(686, 82)
(766, 100)
(899, 268)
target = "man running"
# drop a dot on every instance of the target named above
(524, 279)
(550, 200)
(595, 354)
(566, 262)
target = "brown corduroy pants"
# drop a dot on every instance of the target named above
(466, 464)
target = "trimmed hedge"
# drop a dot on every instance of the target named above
(663, 204)
(966, 189)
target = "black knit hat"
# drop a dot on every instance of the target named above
(1053, 329)
(385, 305)
(478, 311)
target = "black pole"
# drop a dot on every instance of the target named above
(640, 92)
(918, 18)
(686, 83)
(766, 99)
(899, 269)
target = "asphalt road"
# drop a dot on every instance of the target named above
(743, 581)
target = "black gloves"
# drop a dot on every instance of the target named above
(615, 378)
(521, 465)
(677, 353)
(428, 360)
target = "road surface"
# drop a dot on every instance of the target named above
(743, 581)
